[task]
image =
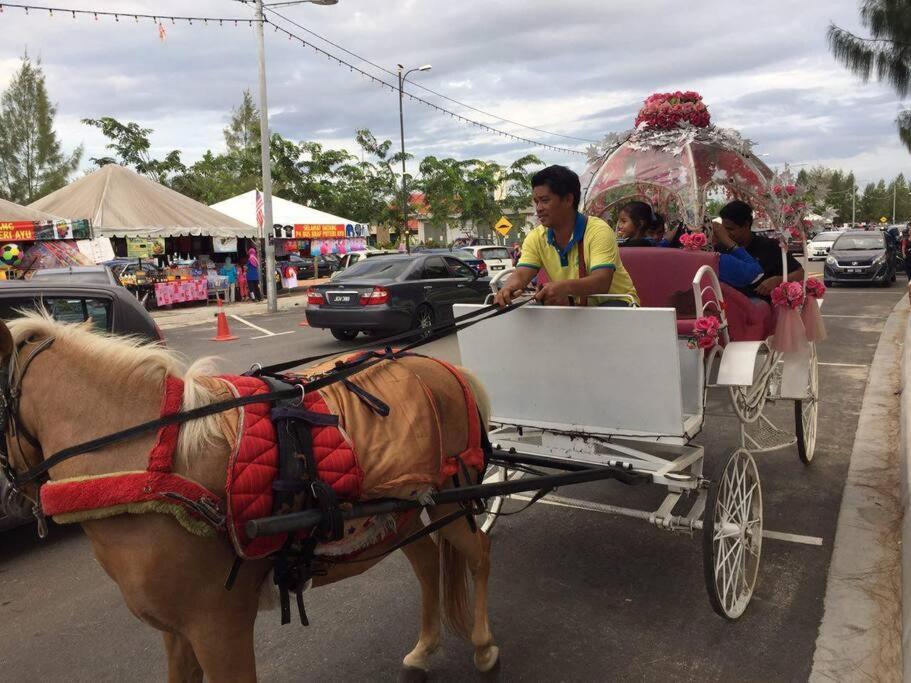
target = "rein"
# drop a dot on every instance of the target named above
(342, 371)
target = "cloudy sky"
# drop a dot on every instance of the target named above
(576, 67)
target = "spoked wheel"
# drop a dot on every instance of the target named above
(732, 535)
(495, 474)
(806, 413)
(749, 401)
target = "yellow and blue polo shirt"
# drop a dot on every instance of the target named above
(601, 251)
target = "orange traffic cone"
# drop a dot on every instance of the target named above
(224, 333)
(304, 323)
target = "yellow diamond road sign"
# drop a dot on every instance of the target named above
(503, 226)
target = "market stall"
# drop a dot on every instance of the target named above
(299, 229)
(150, 222)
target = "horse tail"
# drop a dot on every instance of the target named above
(454, 579)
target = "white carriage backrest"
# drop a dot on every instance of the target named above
(592, 370)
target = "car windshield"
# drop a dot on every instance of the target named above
(858, 243)
(378, 268)
(498, 252)
(827, 237)
(458, 253)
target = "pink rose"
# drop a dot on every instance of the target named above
(776, 190)
(790, 189)
(787, 209)
(815, 288)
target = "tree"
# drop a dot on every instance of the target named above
(132, 145)
(517, 197)
(887, 53)
(242, 135)
(32, 163)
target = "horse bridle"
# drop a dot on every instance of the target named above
(11, 378)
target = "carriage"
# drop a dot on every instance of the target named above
(630, 387)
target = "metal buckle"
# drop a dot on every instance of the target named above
(300, 403)
(256, 367)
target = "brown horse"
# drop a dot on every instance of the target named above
(86, 385)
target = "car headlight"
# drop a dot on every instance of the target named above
(879, 260)
(831, 261)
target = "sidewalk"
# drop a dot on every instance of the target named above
(187, 315)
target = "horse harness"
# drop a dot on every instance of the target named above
(11, 378)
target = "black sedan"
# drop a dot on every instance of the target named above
(860, 256)
(394, 294)
(304, 266)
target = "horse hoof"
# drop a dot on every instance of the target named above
(487, 660)
(410, 674)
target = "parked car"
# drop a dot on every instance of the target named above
(393, 294)
(353, 257)
(475, 263)
(110, 308)
(462, 242)
(819, 246)
(327, 264)
(100, 275)
(496, 258)
(860, 256)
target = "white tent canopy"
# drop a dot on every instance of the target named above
(16, 212)
(122, 203)
(284, 212)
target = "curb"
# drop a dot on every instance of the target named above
(904, 456)
(860, 637)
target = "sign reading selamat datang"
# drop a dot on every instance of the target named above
(30, 231)
(308, 231)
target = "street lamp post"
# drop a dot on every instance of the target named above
(267, 245)
(402, 78)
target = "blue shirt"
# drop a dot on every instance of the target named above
(252, 273)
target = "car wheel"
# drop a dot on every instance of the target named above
(344, 335)
(423, 320)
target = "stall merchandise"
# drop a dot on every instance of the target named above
(180, 291)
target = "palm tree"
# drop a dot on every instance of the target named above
(886, 53)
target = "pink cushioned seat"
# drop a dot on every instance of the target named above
(664, 279)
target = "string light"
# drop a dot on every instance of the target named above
(97, 13)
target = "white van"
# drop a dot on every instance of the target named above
(496, 258)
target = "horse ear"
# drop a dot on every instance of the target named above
(6, 341)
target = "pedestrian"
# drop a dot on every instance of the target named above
(229, 270)
(253, 274)
(242, 283)
(906, 249)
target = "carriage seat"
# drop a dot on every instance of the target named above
(664, 279)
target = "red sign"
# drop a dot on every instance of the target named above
(309, 231)
(19, 231)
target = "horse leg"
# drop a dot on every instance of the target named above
(475, 549)
(425, 560)
(225, 650)
(183, 667)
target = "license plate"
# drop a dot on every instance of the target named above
(497, 267)
(855, 270)
(341, 298)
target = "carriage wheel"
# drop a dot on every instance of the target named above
(494, 474)
(806, 413)
(749, 401)
(732, 535)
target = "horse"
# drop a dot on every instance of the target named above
(68, 384)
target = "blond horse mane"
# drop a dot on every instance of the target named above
(134, 358)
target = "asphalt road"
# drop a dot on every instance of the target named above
(575, 595)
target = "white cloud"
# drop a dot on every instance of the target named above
(578, 67)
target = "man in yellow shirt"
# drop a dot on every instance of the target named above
(575, 274)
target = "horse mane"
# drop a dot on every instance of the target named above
(138, 359)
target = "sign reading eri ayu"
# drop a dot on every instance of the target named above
(30, 231)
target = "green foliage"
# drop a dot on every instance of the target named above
(131, 144)
(243, 131)
(32, 163)
(885, 55)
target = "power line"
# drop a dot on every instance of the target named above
(415, 98)
(418, 85)
(157, 18)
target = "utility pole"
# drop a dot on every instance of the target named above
(405, 202)
(267, 244)
(266, 235)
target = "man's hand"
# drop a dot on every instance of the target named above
(765, 287)
(555, 293)
(722, 237)
(505, 296)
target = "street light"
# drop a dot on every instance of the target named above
(402, 78)
(267, 246)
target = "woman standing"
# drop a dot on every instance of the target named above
(253, 274)
(229, 271)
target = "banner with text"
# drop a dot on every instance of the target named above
(30, 231)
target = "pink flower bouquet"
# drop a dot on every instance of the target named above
(694, 241)
(790, 335)
(667, 110)
(813, 325)
(706, 332)
(788, 295)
